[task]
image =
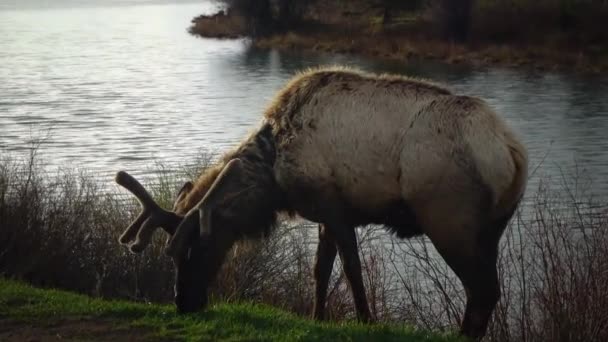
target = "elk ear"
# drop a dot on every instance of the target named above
(204, 222)
(225, 186)
(186, 188)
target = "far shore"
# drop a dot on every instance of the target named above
(403, 46)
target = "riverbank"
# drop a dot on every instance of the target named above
(69, 227)
(34, 314)
(356, 29)
(542, 58)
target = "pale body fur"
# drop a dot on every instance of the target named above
(344, 148)
(376, 141)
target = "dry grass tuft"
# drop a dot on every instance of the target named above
(60, 229)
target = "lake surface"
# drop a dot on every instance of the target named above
(111, 85)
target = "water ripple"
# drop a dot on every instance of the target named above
(117, 85)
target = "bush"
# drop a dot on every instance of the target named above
(553, 267)
(60, 229)
(573, 22)
(256, 13)
(268, 16)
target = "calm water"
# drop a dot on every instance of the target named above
(113, 85)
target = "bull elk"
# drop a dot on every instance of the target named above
(344, 148)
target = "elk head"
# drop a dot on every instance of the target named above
(197, 249)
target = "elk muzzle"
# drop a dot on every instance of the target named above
(190, 282)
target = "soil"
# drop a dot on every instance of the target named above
(74, 329)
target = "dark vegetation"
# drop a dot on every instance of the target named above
(60, 229)
(49, 315)
(543, 33)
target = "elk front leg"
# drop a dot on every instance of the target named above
(346, 241)
(324, 262)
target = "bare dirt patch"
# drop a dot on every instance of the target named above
(73, 329)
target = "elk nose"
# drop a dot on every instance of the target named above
(185, 306)
(190, 304)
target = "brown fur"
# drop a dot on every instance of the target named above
(258, 182)
(299, 88)
(433, 163)
(250, 148)
(282, 111)
(201, 186)
(281, 115)
(511, 198)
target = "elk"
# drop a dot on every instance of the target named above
(345, 148)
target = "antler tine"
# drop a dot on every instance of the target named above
(128, 182)
(148, 220)
(145, 234)
(131, 231)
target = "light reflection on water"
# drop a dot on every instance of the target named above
(116, 85)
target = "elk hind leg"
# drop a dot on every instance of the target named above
(346, 241)
(474, 262)
(482, 296)
(324, 262)
(482, 281)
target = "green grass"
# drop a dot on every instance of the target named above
(33, 307)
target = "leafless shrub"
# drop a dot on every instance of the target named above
(60, 228)
(553, 273)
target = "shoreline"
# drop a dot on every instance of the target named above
(402, 47)
(449, 53)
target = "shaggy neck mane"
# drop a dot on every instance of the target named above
(254, 212)
(201, 186)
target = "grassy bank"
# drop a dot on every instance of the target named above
(59, 229)
(536, 34)
(31, 313)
